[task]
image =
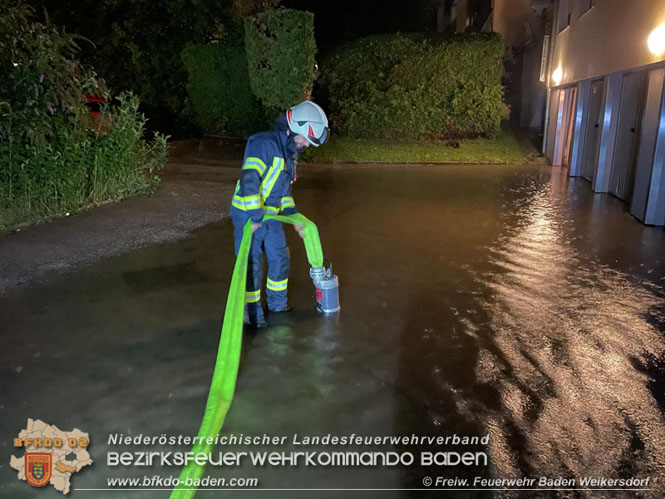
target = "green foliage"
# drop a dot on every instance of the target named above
(39, 77)
(79, 167)
(137, 44)
(415, 87)
(280, 52)
(119, 163)
(50, 161)
(220, 96)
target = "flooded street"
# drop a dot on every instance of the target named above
(499, 301)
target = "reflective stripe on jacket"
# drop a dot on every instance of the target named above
(266, 177)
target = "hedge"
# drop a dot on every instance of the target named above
(410, 86)
(280, 52)
(220, 98)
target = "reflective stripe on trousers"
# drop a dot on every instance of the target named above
(269, 237)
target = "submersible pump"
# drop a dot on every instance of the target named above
(326, 285)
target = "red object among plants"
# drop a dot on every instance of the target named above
(95, 103)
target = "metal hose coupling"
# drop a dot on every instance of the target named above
(317, 273)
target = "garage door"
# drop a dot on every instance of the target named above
(628, 133)
(592, 135)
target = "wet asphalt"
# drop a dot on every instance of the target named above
(506, 301)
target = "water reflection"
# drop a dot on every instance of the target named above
(567, 332)
(550, 338)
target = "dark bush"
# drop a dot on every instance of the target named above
(415, 87)
(280, 52)
(219, 94)
(137, 45)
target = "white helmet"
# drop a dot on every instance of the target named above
(309, 120)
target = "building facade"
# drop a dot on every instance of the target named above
(605, 114)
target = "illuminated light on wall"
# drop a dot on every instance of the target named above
(557, 75)
(656, 40)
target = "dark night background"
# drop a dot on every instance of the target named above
(136, 45)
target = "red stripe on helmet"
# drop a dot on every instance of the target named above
(310, 132)
(288, 116)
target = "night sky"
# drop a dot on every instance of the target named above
(337, 21)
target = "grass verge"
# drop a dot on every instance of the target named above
(505, 147)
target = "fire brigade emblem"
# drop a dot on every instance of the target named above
(50, 456)
(38, 467)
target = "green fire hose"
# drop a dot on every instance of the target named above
(228, 355)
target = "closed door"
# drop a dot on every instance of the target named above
(593, 129)
(628, 133)
(644, 165)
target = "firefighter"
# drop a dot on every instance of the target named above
(268, 170)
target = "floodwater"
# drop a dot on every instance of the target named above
(505, 302)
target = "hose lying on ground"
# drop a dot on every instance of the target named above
(228, 355)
